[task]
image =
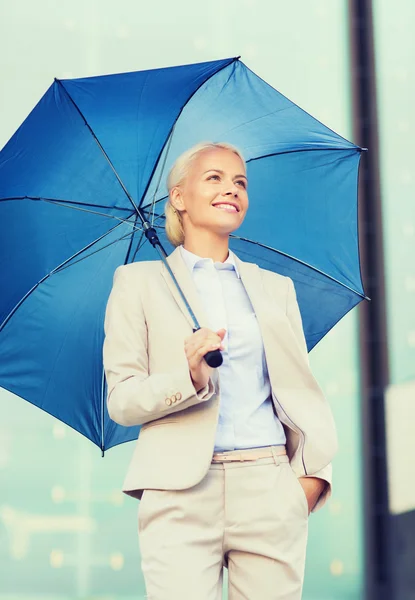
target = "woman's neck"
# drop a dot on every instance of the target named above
(207, 246)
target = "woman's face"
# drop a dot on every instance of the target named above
(214, 194)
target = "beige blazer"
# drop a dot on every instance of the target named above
(149, 383)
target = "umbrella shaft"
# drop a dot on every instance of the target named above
(214, 357)
(151, 235)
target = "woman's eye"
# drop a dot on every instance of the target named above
(241, 182)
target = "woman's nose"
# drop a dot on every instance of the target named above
(231, 190)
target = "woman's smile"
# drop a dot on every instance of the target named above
(227, 206)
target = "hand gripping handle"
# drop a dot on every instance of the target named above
(213, 358)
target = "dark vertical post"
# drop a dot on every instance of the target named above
(373, 333)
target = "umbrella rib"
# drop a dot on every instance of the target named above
(153, 204)
(299, 107)
(123, 237)
(59, 267)
(326, 149)
(235, 59)
(100, 146)
(298, 260)
(329, 149)
(154, 201)
(133, 226)
(139, 245)
(66, 204)
(131, 241)
(63, 202)
(59, 82)
(95, 212)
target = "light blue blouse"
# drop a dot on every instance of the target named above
(246, 416)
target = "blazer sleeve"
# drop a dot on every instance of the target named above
(134, 397)
(294, 316)
(326, 475)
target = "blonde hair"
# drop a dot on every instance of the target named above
(176, 176)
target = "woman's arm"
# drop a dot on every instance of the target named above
(135, 397)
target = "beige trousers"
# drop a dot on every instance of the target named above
(251, 517)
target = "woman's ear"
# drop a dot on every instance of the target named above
(176, 198)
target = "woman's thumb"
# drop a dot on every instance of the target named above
(221, 333)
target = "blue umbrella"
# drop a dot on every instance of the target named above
(82, 191)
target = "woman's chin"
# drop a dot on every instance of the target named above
(222, 226)
(227, 222)
(224, 230)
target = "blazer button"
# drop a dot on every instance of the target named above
(168, 401)
(178, 396)
(173, 399)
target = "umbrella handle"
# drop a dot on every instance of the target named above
(214, 358)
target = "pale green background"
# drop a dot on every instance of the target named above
(66, 531)
(395, 47)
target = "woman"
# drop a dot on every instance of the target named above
(231, 460)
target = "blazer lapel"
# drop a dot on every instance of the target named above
(251, 278)
(269, 317)
(186, 283)
(254, 286)
(272, 321)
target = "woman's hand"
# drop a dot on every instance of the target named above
(195, 347)
(313, 488)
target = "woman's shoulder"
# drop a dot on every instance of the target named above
(138, 272)
(274, 278)
(146, 267)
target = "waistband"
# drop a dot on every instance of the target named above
(248, 454)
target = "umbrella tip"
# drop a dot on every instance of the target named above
(102, 452)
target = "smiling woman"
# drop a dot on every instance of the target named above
(209, 181)
(195, 515)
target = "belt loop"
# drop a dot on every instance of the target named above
(275, 456)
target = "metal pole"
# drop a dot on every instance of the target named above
(373, 332)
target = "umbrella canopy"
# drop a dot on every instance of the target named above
(94, 151)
